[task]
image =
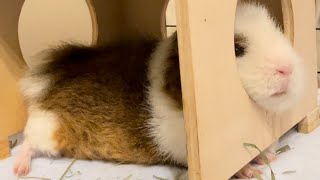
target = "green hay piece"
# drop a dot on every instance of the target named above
(264, 157)
(283, 149)
(72, 174)
(289, 172)
(129, 177)
(68, 168)
(159, 178)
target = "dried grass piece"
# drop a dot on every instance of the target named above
(68, 168)
(264, 157)
(129, 177)
(283, 149)
(72, 174)
(289, 172)
(159, 178)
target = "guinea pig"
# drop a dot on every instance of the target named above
(122, 102)
(269, 68)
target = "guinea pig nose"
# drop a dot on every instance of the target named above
(285, 70)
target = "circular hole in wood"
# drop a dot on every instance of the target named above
(281, 11)
(45, 24)
(116, 21)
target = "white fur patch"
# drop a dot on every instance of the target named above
(167, 124)
(40, 128)
(33, 86)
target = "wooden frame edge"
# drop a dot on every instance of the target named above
(310, 122)
(4, 149)
(188, 92)
(288, 21)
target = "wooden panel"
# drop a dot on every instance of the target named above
(12, 66)
(9, 16)
(305, 43)
(121, 19)
(4, 148)
(218, 122)
(171, 13)
(12, 110)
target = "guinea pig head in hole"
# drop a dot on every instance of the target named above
(269, 68)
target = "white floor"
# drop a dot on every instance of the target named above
(86, 170)
(303, 161)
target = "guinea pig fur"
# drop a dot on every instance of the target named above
(122, 102)
(270, 69)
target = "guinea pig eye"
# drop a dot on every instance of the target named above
(239, 50)
(240, 44)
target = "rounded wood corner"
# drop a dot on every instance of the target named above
(10, 52)
(14, 63)
(288, 21)
(282, 12)
(95, 29)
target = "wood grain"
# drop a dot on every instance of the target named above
(219, 115)
(4, 149)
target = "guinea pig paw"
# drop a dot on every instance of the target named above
(260, 160)
(22, 166)
(248, 172)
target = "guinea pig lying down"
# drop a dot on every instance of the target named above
(122, 102)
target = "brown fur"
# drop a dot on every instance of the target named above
(99, 94)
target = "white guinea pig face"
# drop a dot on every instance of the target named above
(269, 68)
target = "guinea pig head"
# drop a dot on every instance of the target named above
(269, 68)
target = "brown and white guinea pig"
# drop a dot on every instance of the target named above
(123, 102)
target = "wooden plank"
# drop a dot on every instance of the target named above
(188, 90)
(218, 122)
(310, 123)
(12, 66)
(4, 149)
(171, 18)
(305, 35)
(9, 17)
(12, 110)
